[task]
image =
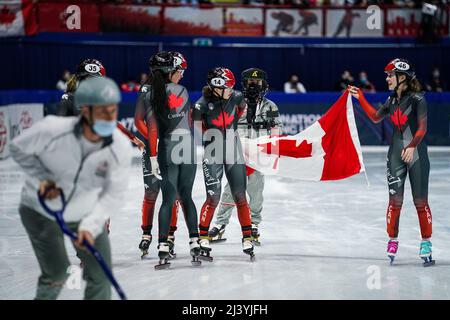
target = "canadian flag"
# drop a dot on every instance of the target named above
(327, 150)
(17, 18)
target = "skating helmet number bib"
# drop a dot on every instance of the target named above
(219, 82)
(92, 68)
(402, 66)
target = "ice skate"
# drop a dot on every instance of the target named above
(425, 253)
(145, 244)
(163, 254)
(392, 249)
(255, 235)
(216, 233)
(195, 251)
(247, 247)
(171, 241)
(205, 249)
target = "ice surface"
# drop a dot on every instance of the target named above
(320, 240)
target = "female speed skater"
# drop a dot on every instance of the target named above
(151, 182)
(407, 109)
(86, 69)
(218, 112)
(167, 111)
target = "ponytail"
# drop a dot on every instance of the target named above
(72, 84)
(414, 85)
(159, 94)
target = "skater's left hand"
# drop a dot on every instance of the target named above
(84, 235)
(407, 154)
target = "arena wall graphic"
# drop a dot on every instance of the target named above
(14, 119)
(297, 111)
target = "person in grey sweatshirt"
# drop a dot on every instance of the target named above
(84, 157)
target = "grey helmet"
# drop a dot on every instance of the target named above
(97, 91)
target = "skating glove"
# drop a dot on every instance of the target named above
(155, 167)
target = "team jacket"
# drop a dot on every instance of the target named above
(260, 117)
(93, 185)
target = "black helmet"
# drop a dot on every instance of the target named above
(401, 66)
(163, 61)
(254, 90)
(220, 77)
(90, 67)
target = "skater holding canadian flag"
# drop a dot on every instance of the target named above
(407, 153)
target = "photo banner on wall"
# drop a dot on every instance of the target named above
(193, 21)
(131, 18)
(403, 22)
(244, 22)
(351, 23)
(293, 23)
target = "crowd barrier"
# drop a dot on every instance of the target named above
(297, 112)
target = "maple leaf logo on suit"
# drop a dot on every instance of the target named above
(398, 118)
(223, 120)
(174, 101)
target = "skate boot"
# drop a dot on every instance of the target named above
(145, 244)
(195, 251)
(247, 247)
(163, 254)
(216, 233)
(255, 235)
(392, 248)
(205, 249)
(425, 253)
(171, 241)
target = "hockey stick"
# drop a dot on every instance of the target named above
(58, 214)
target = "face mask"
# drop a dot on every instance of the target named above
(104, 128)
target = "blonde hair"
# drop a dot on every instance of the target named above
(72, 84)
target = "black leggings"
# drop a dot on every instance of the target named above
(418, 171)
(177, 179)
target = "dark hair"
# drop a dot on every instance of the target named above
(414, 85)
(158, 81)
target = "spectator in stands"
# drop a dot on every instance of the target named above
(345, 81)
(435, 83)
(62, 82)
(365, 84)
(294, 85)
(144, 78)
(130, 86)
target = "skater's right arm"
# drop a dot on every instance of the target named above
(139, 114)
(66, 106)
(29, 145)
(373, 114)
(197, 116)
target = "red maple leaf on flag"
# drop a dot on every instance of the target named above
(287, 148)
(174, 101)
(223, 120)
(398, 118)
(6, 15)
